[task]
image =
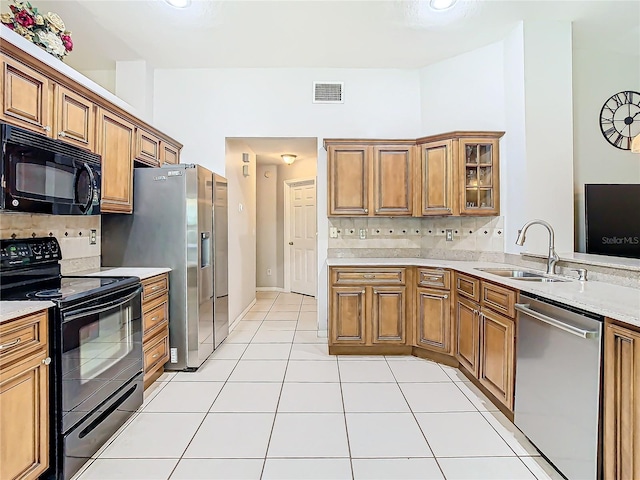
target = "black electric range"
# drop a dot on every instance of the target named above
(95, 345)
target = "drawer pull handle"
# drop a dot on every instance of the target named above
(11, 344)
(153, 319)
(432, 279)
(155, 355)
(368, 275)
(47, 361)
(155, 287)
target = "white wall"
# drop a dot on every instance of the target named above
(134, 84)
(266, 229)
(104, 78)
(596, 76)
(241, 228)
(464, 92)
(203, 107)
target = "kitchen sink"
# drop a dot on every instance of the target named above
(524, 275)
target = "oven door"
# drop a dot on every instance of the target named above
(101, 350)
(42, 181)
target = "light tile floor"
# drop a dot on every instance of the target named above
(271, 403)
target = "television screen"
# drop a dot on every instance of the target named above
(612, 220)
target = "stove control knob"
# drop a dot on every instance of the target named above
(36, 248)
(53, 247)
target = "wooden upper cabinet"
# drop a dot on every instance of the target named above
(26, 97)
(478, 176)
(116, 138)
(169, 153)
(389, 315)
(434, 179)
(393, 180)
(347, 315)
(147, 148)
(621, 402)
(496, 369)
(349, 180)
(76, 119)
(433, 320)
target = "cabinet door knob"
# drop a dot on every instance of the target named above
(47, 128)
(446, 296)
(362, 291)
(62, 134)
(366, 210)
(47, 361)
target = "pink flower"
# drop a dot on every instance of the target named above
(24, 19)
(67, 42)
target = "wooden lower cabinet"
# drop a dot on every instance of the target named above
(496, 365)
(388, 315)
(621, 456)
(467, 325)
(155, 326)
(347, 315)
(433, 320)
(24, 401)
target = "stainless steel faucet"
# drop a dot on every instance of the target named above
(553, 256)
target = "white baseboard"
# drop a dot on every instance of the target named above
(239, 317)
(323, 334)
(270, 289)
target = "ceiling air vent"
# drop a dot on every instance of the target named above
(328, 92)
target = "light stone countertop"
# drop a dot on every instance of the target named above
(14, 309)
(620, 303)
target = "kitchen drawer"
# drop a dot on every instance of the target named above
(157, 352)
(434, 278)
(154, 317)
(498, 298)
(154, 286)
(468, 286)
(368, 276)
(22, 336)
(147, 148)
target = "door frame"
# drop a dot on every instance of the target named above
(287, 225)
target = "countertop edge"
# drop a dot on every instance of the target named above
(10, 310)
(141, 272)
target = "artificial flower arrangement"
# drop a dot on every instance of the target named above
(47, 31)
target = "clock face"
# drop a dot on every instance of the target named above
(620, 119)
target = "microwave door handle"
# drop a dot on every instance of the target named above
(103, 308)
(92, 180)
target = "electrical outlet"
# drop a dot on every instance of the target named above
(363, 233)
(92, 237)
(333, 232)
(449, 234)
(268, 272)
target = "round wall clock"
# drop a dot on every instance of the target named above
(620, 119)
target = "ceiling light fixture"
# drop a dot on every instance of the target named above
(288, 158)
(441, 4)
(179, 3)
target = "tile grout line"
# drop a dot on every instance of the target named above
(344, 414)
(275, 414)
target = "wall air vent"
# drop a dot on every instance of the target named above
(328, 92)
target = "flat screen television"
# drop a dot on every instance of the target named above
(612, 217)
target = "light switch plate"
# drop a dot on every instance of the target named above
(363, 233)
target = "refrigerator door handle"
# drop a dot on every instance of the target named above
(205, 249)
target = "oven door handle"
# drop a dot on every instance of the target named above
(103, 308)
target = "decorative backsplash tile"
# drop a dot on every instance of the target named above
(72, 231)
(485, 234)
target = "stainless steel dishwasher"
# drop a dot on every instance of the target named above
(558, 377)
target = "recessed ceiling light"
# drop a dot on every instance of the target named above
(439, 4)
(179, 3)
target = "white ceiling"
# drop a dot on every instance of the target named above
(325, 33)
(268, 150)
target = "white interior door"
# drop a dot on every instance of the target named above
(302, 237)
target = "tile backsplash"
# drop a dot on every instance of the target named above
(72, 231)
(470, 234)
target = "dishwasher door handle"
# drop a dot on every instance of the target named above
(580, 332)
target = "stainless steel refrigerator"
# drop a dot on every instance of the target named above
(179, 221)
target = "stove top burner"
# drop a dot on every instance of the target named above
(53, 293)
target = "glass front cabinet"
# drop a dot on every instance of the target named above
(478, 167)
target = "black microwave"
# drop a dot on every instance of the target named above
(42, 175)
